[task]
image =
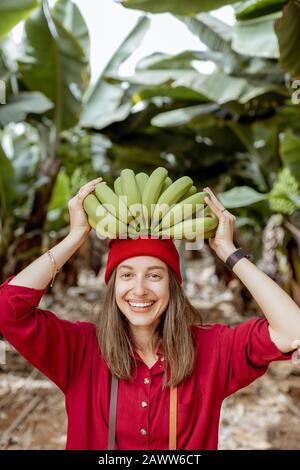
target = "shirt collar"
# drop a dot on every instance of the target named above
(158, 352)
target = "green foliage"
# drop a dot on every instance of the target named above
(257, 8)
(285, 195)
(240, 197)
(7, 193)
(186, 7)
(54, 63)
(105, 102)
(290, 152)
(257, 36)
(14, 11)
(235, 129)
(288, 33)
(18, 107)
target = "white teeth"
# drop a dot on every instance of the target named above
(134, 304)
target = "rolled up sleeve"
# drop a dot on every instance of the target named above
(54, 346)
(245, 352)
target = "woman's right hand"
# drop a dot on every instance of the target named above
(78, 217)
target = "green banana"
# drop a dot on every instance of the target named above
(99, 230)
(166, 184)
(207, 211)
(141, 179)
(152, 191)
(109, 226)
(190, 192)
(210, 233)
(130, 188)
(99, 218)
(169, 197)
(183, 210)
(112, 203)
(91, 205)
(191, 229)
(117, 186)
(175, 209)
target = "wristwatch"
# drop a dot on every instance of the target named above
(236, 256)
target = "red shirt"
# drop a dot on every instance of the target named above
(68, 354)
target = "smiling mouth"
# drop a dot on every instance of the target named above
(142, 306)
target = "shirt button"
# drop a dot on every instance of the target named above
(144, 404)
(143, 432)
(146, 380)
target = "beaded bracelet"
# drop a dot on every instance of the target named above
(55, 270)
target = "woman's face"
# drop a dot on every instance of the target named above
(142, 289)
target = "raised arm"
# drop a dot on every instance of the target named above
(39, 273)
(282, 313)
(57, 347)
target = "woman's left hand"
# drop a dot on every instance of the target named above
(222, 243)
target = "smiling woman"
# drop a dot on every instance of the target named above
(144, 295)
(149, 375)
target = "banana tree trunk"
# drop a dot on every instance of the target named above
(29, 245)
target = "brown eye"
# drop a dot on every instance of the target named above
(155, 276)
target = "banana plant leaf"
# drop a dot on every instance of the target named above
(19, 106)
(288, 32)
(14, 11)
(105, 102)
(240, 197)
(217, 36)
(214, 33)
(167, 91)
(182, 116)
(217, 87)
(289, 150)
(7, 191)
(255, 8)
(181, 61)
(70, 17)
(54, 63)
(256, 37)
(186, 7)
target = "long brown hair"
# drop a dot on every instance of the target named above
(173, 335)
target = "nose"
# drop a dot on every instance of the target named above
(139, 288)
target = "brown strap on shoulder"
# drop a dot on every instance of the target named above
(113, 416)
(112, 413)
(173, 416)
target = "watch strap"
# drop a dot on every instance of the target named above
(236, 256)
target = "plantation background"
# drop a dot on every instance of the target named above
(235, 129)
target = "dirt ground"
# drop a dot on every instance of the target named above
(264, 415)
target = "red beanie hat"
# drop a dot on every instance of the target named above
(123, 248)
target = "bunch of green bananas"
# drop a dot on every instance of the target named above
(142, 205)
(285, 195)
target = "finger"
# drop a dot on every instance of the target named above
(93, 182)
(219, 206)
(215, 208)
(214, 198)
(85, 190)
